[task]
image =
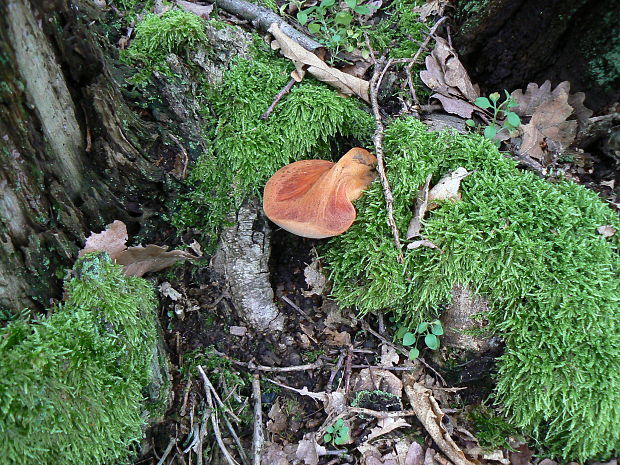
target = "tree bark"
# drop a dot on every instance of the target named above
(505, 44)
(73, 156)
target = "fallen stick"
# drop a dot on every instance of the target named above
(378, 143)
(262, 18)
(259, 437)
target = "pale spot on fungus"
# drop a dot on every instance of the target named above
(312, 198)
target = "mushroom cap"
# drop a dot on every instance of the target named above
(312, 198)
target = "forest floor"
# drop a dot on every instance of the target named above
(333, 387)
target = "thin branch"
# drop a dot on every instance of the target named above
(415, 58)
(259, 436)
(216, 428)
(216, 395)
(285, 90)
(171, 444)
(378, 142)
(261, 18)
(296, 307)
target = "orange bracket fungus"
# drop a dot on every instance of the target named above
(312, 198)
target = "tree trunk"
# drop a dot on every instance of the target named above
(505, 44)
(73, 155)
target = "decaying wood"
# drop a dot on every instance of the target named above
(261, 18)
(69, 147)
(243, 258)
(458, 322)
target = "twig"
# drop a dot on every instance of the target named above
(262, 18)
(415, 58)
(302, 392)
(296, 307)
(378, 142)
(381, 367)
(216, 396)
(285, 90)
(347, 371)
(171, 444)
(214, 422)
(333, 374)
(259, 437)
(310, 366)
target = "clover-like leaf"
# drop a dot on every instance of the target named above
(314, 27)
(409, 339)
(482, 102)
(431, 341)
(490, 132)
(344, 18)
(302, 17)
(513, 119)
(362, 10)
(422, 327)
(436, 328)
(414, 353)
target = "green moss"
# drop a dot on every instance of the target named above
(401, 32)
(71, 384)
(531, 247)
(246, 150)
(175, 31)
(491, 430)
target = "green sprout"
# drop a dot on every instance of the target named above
(337, 434)
(502, 120)
(429, 330)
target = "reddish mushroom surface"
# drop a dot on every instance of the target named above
(312, 198)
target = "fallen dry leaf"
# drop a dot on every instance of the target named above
(447, 77)
(447, 188)
(389, 356)
(309, 450)
(136, 260)
(141, 260)
(168, 291)
(278, 419)
(421, 243)
(337, 338)
(112, 240)
(302, 58)
(430, 415)
(606, 230)
(383, 380)
(521, 455)
(315, 279)
(415, 454)
(456, 105)
(535, 96)
(385, 426)
(431, 8)
(421, 204)
(275, 454)
(549, 128)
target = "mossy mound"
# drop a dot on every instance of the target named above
(247, 150)
(532, 248)
(71, 385)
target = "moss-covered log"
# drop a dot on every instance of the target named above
(72, 385)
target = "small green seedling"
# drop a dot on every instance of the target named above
(337, 434)
(429, 330)
(502, 120)
(333, 25)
